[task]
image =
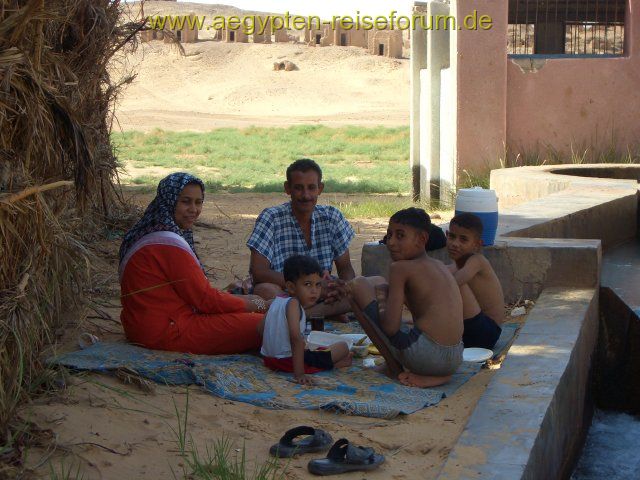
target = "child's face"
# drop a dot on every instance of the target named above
(462, 242)
(405, 242)
(306, 289)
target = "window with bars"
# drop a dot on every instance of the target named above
(569, 27)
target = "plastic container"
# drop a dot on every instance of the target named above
(326, 339)
(484, 204)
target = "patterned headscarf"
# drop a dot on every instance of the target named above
(159, 214)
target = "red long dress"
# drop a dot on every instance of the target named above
(168, 304)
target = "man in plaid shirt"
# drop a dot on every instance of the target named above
(299, 227)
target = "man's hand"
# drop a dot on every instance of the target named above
(340, 289)
(303, 379)
(329, 293)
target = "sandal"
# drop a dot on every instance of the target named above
(344, 457)
(316, 441)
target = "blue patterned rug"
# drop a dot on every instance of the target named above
(354, 390)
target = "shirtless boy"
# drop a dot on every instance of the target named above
(431, 350)
(482, 297)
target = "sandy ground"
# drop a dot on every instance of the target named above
(113, 430)
(220, 84)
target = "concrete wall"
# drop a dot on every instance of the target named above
(524, 266)
(531, 419)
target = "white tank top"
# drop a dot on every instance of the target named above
(276, 342)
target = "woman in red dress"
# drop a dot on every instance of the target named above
(167, 301)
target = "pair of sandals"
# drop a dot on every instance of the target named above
(342, 456)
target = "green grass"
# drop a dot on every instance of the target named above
(221, 461)
(353, 159)
(384, 207)
(69, 472)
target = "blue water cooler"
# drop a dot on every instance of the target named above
(484, 204)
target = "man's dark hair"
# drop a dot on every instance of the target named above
(413, 217)
(298, 265)
(468, 221)
(304, 165)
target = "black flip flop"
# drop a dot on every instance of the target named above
(316, 441)
(344, 457)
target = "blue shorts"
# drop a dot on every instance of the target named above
(480, 331)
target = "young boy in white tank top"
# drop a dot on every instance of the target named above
(283, 346)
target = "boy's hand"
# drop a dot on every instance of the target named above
(303, 379)
(382, 293)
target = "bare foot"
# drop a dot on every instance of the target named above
(422, 381)
(345, 362)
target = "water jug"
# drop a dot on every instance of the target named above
(484, 204)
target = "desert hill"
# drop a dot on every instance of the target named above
(233, 84)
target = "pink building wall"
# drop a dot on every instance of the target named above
(562, 103)
(578, 103)
(481, 77)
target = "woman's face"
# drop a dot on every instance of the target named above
(189, 206)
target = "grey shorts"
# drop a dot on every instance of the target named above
(416, 351)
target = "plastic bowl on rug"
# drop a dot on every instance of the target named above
(325, 339)
(476, 355)
(360, 351)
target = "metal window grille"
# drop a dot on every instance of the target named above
(572, 27)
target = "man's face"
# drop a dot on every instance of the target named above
(304, 189)
(462, 242)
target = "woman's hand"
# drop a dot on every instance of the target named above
(256, 303)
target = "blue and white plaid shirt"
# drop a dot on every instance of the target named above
(277, 235)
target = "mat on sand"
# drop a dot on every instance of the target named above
(354, 390)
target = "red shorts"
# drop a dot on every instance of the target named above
(314, 362)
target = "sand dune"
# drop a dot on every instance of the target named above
(233, 84)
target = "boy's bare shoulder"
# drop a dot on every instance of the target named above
(293, 306)
(481, 261)
(401, 265)
(480, 258)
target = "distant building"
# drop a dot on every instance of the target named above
(387, 43)
(318, 37)
(353, 37)
(183, 35)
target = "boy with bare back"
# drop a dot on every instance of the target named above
(431, 350)
(482, 297)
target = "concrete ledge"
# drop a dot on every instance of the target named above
(515, 186)
(608, 215)
(529, 422)
(525, 266)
